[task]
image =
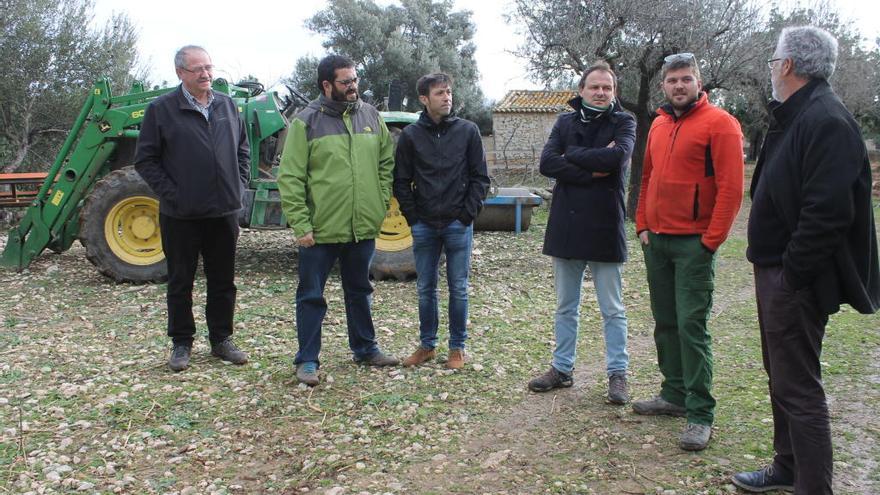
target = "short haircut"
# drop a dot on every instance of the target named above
(597, 65)
(813, 51)
(425, 83)
(681, 63)
(327, 68)
(180, 56)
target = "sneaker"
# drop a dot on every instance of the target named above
(763, 480)
(456, 359)
(695, 437)
(307, 373)
(227, 351)
(549, 380)
(658, 405)
(421, 355)
(379, 359)
(618, 392)
(179, 359)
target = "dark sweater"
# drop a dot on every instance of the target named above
(811, 195)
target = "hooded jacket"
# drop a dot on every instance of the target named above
(336, 171)
(692, 174)
(197, 167)
(440, 171)
(587, 213)
(811, 202)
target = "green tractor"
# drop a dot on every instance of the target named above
(92, 192)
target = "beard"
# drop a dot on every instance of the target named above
(344, 96)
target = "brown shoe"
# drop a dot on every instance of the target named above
(456, 359)
(421, 355)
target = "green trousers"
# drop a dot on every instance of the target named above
(681, 274)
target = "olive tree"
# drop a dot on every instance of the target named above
(49, 58)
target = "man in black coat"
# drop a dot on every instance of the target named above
(193, 152)
(813, 244)
(440, 180)
(588, 153)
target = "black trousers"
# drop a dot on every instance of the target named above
(792, 329)
(183, 241)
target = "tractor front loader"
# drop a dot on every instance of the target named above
(92, 193)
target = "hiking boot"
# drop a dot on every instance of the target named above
(227, 351)
(618, 392)
(378, 359)
(695, 437)
(763, 480)
(658, 405)
(421, 355)
(456, 359)
(179, 359)
(307, 373)
(549, 380)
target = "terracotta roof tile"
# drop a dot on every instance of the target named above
(535, 101)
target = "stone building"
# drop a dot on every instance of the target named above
(522, 122)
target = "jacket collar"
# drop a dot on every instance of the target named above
(183, 103)
(335, 108)
(577, 104)
(784, 112)
(426, 121)
(702, 101)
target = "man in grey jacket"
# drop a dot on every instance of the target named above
(193, 152)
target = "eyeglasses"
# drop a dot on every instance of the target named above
(348, 82)
(680, 57)
(199, 69)
(770, 62)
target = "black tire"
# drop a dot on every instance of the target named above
(119, 202)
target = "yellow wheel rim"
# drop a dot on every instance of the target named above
(394, 235)
(132, 231)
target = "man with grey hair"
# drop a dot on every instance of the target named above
(813, 245)
(193, 152)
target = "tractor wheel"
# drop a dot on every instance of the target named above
(119, 227)
(394, 254)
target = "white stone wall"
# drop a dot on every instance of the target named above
(520, 137)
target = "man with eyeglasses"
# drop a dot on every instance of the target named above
(193, 152)
(813, 245)
(335, 184)
(692, 187)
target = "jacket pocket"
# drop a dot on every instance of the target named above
(678, 203)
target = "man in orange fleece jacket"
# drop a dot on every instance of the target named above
(692, 188)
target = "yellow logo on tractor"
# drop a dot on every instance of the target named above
(137, 114)
(56, 198)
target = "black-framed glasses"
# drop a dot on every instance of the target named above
(199, 69)
(348, 82)
(770, 62)
(680, 57)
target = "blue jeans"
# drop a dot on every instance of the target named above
(354, 268)
(569, 277)
(456, 240)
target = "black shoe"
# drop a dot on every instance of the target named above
(763, 480)
(227, 351)
(179, 359)
(549, 380)
(618, 392)
(378, 359)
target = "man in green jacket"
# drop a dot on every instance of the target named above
(335, 184)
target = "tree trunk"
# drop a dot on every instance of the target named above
(644, 116)
(20, 155)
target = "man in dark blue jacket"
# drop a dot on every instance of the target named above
(813, 244)
(193, 152)
(440, 180)
(588, 153)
